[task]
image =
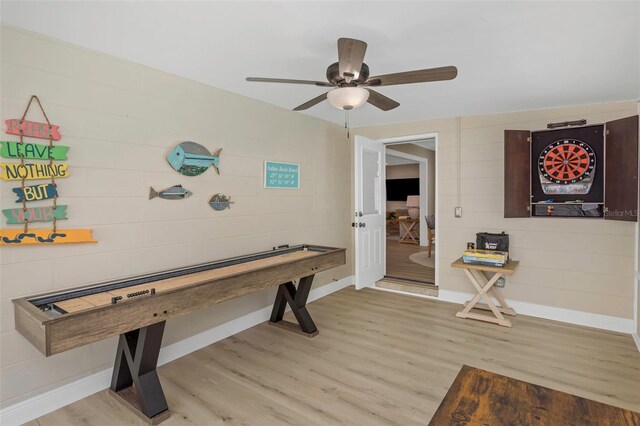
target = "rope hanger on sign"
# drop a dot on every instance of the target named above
(22, 166)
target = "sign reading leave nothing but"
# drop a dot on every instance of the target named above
(281, 175)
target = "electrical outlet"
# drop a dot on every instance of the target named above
(458, 211)
(500, 282)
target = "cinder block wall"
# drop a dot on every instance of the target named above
(120, 120)
(579, 264)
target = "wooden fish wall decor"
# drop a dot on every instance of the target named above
(32, 151)
(35, 214)
(220, 202)
(48, 170)
(32, 129)
(193, 159)
(176, 192)
(17, 171)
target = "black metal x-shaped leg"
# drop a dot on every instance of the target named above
(297, 299)
(135, 379)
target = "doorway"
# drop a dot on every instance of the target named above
(410, 186)
(395, 231)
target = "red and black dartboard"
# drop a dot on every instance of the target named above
(566, 161)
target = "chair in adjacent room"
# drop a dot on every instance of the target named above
(431, 231)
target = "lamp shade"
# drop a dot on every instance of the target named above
(413, 201)
(348, 97)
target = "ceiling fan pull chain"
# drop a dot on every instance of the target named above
(346, 122)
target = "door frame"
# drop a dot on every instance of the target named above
(388, 142)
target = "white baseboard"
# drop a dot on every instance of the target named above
(588, 319)
(47, 402)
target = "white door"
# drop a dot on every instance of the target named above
(369, 221)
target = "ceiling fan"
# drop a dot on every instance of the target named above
(351, 83)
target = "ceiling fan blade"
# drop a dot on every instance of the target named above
(350, 58)
(381, 101)
(311, 103)
(417, 76)
(287, 80)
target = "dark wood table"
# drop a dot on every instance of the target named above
(479, 397)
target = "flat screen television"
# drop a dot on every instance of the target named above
(400, 189)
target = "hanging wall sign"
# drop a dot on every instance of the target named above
(34, 214)
(281, 175)
(22, 171)
(32, 129)
(43, 191)
(30, 171)
(19, 237)
(32, 151)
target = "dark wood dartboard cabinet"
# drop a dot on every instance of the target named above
(612, 191)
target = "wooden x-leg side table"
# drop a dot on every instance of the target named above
(485, 288)
(409, 230)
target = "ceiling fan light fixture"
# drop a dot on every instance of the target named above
(348, 98)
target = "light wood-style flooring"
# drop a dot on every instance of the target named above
(380, 359)
(399, 265)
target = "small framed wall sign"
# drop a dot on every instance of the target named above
(281, 175)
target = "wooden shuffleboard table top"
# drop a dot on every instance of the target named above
(104, 298)
(479, 397)
(58, 321)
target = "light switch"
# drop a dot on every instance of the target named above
(458, 211)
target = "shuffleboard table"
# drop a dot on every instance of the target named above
(137, 308)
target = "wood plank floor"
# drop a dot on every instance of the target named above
(380, 359)
(399, 265)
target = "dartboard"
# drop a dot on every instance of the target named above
(566, 161)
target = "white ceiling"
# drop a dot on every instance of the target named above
(510, 55)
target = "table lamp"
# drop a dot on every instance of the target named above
(413, 204)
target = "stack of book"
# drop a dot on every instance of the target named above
(485, 257)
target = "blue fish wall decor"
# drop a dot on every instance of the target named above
(193, 159)
(220, 202)
(176, 192)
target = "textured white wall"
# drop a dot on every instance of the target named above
(120, 120)
(581, 264)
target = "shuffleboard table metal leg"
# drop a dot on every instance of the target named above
(297, 299)
(135, 379)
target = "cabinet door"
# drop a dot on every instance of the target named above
(517, 173)
(621, 170)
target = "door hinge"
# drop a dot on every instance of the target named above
(606, 132)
